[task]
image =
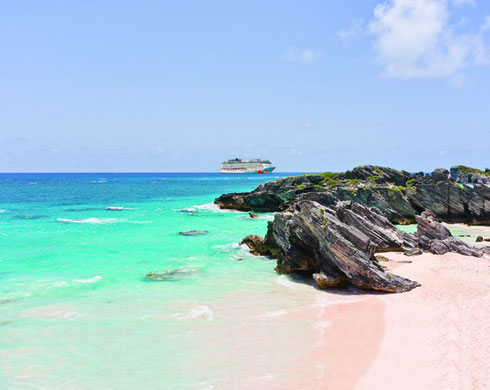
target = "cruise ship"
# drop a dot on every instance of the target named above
(237, 165)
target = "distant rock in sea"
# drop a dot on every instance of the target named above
(193, 232)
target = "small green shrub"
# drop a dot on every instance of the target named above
(411, 182)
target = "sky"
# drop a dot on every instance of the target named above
(180, 86)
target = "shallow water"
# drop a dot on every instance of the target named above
(76, 311)
(465, 233)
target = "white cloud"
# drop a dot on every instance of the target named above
(414, 39)
(355, 28)
(306, 56)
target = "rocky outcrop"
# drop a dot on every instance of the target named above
(461, 195)
(256, 245)
(464, 174)
(435, 238)
(337, 245)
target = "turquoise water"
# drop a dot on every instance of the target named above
(76, 311)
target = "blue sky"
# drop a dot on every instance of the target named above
(182, 85)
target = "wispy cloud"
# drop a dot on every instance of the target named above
(355, 28)
(414, 39)
(304, 55)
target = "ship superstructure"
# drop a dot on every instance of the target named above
(237, 165)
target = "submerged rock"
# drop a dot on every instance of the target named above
(193, 232)
(432, 236)
(171, 274)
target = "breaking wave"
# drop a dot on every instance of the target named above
(199, 311)
(92, 280)
(213, 207)
(187, 210)
(93, 221)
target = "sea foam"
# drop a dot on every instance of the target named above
(93, 221)
(187, 210)
(92, 280)
(213, 207)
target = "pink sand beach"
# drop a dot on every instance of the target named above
(434, 337)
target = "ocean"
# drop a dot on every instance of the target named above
(77, 312)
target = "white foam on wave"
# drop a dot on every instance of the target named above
(202, 311)
(235, 250)
(91, 280)
(232, 246)
(199, 311)
(213, 207)
(187, 210)
(93, 221)
(118, 208)
(3, 211)
(284, 280)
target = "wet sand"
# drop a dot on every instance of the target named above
(433, 337)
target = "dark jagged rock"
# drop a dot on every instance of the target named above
(440, 174)
(193, 232)
(337, 245)
(398, 194)
(463, 174)
(256, 245)
(479, 239)
(432, 236)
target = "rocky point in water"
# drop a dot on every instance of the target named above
(337, 244)
(331, 225)
(459, 195)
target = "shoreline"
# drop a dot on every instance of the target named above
(435, 336)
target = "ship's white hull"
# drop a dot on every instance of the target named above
(253, 166)
(237, 170)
